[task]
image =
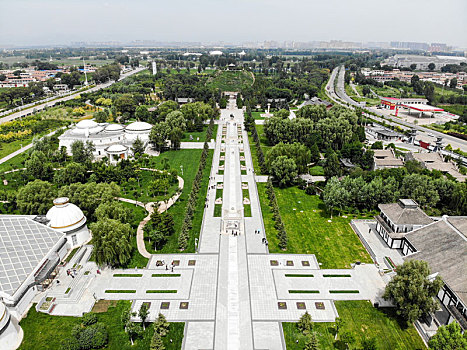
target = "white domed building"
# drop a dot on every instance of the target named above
(67, 218)
(105, 137)
(11, 333)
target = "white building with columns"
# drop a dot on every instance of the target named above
(110, 140)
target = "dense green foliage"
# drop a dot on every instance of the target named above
(412, 292)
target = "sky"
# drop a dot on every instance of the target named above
(49, 22)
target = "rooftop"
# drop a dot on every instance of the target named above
(386, 157)
(443, 245)
(23, 244)
(405, 212)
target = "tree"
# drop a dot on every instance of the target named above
(38, 166)
(142, 113)
(312, 342)
(176, 119)
(377, 145)
(137, 147)
(82, 152)
(411, 290)
(413, 66)
(369, 344)
(134, 330)
(420, 188)
(284, 170)
(332, 166)
(100, 117)
(114, 210)
(347, 338)
(112, 242)
(304, 323)
(158, 136)
(282, 113)
(453, 83)
(448, 337)
(125, 104)
(156, 342)
(366, 90)
(315, 154)
(161, 325)
(73, 172)
(175, 137)
(89, 196)
(143, 313)
(35, 198)
(431, 66)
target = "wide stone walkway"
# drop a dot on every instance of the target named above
(231, 293)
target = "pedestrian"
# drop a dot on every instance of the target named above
(166, 267)
(172, 269)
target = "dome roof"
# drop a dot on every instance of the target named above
(116, 148)
(113, 128)
(86, 124)
(65, 216)
(139, 126)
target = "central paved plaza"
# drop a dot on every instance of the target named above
(231, 293)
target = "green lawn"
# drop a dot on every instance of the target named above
(334, 243)
(42, 331)
(257, 115)
(231, 80)
(190, 160)
(200, 134)
(362, 320)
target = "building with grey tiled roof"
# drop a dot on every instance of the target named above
(397, 219)
(443, 245)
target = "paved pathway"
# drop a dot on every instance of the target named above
(231, 293)
(161, 207)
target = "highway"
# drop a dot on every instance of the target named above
(340, 95)
(46, 104)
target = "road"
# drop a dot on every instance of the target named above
(41, 106)
(340, 94)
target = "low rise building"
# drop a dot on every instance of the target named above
(396, 219)
(442, 243)
(435, 161)
(386, 159)
(110, 140)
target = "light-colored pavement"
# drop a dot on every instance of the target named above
(232, 293)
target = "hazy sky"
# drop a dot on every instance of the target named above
(38, 22)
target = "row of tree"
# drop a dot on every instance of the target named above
(193, 197)
(278, 223)
(435, 192)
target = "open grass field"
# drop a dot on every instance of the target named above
(257, 115)
(362, 320)
(231, 80)
(190, 160)
(334, 243)
(199, 134)
(42, 331)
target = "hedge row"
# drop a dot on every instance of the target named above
(278, 224)
(191, 206)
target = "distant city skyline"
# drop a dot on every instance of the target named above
(57, 22)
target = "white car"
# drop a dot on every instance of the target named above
(431, 135)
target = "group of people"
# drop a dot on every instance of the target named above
(71, 272)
